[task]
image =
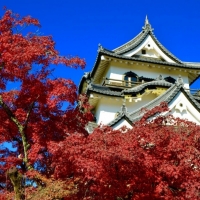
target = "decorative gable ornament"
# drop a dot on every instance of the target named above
(181, 107)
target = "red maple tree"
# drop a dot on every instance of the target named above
(33, 113)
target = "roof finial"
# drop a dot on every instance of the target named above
(146, 20)
(147, 24)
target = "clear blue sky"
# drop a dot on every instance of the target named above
(79, 26)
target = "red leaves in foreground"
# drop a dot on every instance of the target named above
(151, 161)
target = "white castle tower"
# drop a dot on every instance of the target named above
(141, 73)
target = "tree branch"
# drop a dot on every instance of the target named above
(28, 114)
(10, 113)
(20, 129)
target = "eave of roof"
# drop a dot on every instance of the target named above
(81, 84)
(197, 99)
(142, 59)
(165, 97)
(112, 55)
(136, 38)
(102, 90)
(192, 63)
(83, 79)
(192, 99)
(129, 43)
(194, 79)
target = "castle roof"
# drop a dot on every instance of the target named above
(167, 97)
(136, 41)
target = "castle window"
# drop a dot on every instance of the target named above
(126, 78)
(133, 79)
(143, 51)
(130, 77)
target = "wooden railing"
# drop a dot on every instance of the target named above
(119, 83)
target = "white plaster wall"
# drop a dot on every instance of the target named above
(132, 106)
(108, 107)
(187, 111)
(149, 53)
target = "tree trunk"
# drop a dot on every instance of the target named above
(16, 179)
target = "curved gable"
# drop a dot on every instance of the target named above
(145, 44)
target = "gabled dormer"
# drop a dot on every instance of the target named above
(146, 45)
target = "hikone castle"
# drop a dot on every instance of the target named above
(141, 73)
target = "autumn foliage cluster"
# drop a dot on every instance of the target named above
(52, 157)
(156, 159)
